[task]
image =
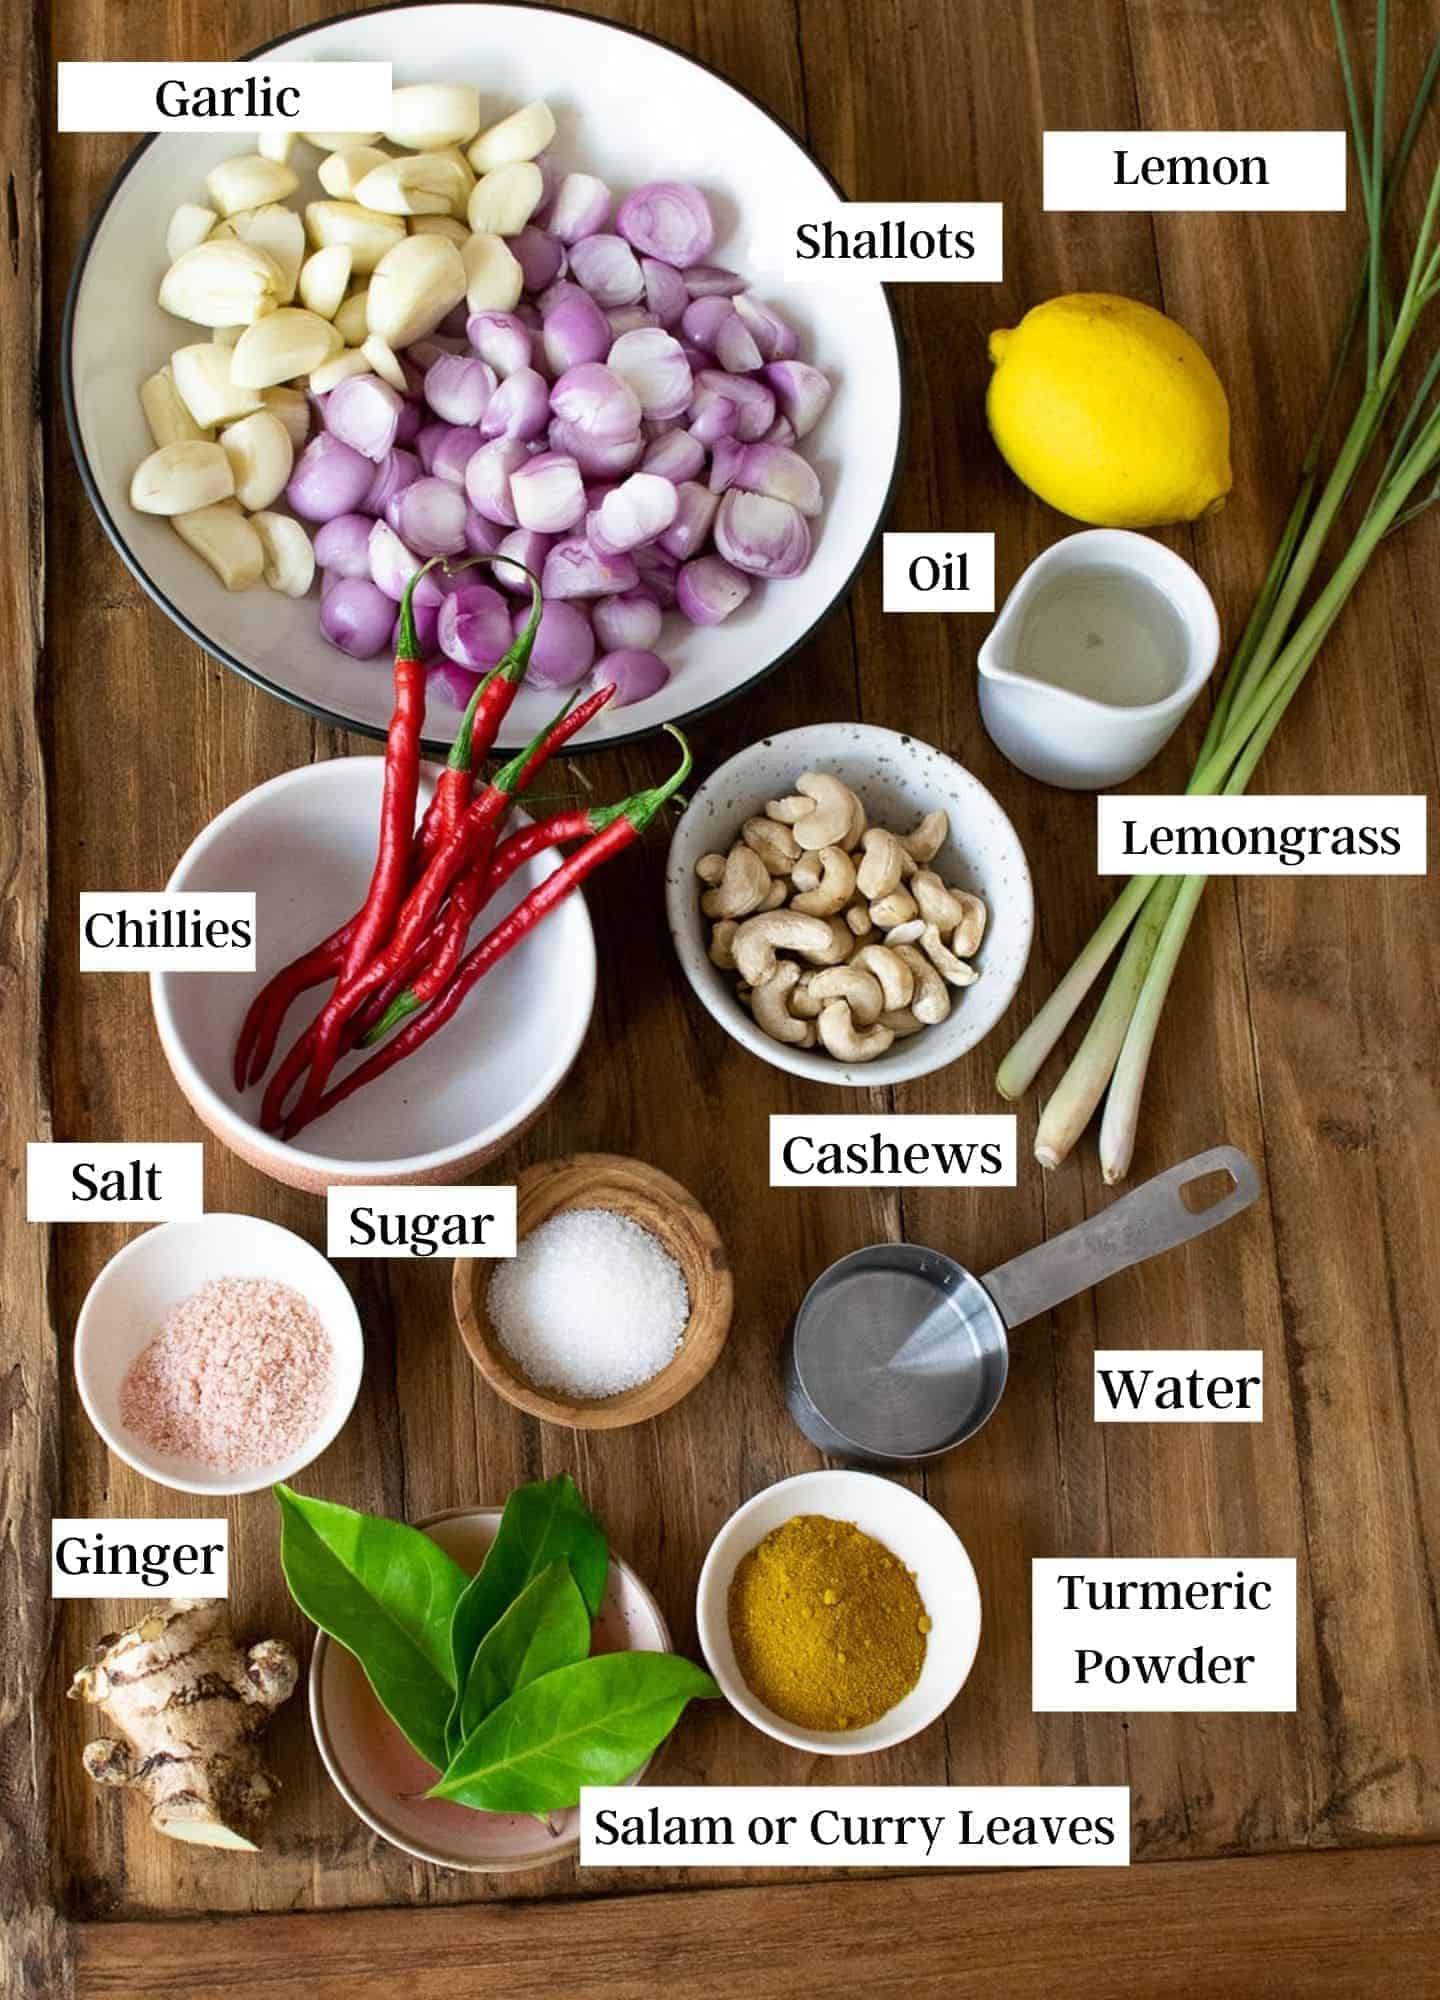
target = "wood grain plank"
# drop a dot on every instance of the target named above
(34, 1944)
(1333, 1927)
(1304, 1031)
(1339, 978)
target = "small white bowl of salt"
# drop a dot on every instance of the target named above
(218, 1355)
(616, 1303)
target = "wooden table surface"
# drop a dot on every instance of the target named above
(1303, 1029)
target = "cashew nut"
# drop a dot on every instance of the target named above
(860, 991)
(756, 941)
(971, 927)
(899, 907)
(835, 887)
(771, 1013)
(742, 888)
(926, 841)
(710, 867)
(801, 1002)
(779, 892)
(902, 1021)
(773, 841)
(906, 933)
(859, 920)
(722, 940)
(842, 1038)
(835, 806)
(938, 905)
(788, 810)
(956, 970)
(897, 982)
(840, 946)
(931, 1002)
(880, 871)
(855, 833)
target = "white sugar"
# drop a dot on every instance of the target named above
(590, 1304)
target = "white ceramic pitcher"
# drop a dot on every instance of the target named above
(1073, 739)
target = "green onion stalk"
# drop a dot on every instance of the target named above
(1153, 913)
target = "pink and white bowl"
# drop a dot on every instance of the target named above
(305, 845)
(383, 1780)
(127, 1304)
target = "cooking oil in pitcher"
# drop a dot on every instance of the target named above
(1107, 634)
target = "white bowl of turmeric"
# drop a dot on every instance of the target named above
(218, 1355)
(839, 1612)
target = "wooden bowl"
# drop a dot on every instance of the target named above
(642, 1194)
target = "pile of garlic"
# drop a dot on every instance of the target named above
(841, 934)
(402, 239)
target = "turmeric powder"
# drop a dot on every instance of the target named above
(828, 1626)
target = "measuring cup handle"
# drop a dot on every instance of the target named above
(1143, 1224)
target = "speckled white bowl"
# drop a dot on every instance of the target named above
(384, 1781)
(898, 778)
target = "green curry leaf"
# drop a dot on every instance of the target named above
(547, 1627)
(594, 1723)
(388, 1594)
(544, 1522)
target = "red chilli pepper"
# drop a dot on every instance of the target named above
(631, 823)
(397, 801)
(475, 739)
(468, 841)
(477, 887)
(488, 708)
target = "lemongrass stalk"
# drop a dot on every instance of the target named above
(1132, 1063)
(1018, 1071)
(1377, 142)
(1419, 460)
(1024, 1060)
(1071, 1104)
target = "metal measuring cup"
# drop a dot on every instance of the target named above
(898, 1353)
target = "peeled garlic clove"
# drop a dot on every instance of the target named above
(422, 184)
(281, 346)
(165, 412)
(426, 115)
(189, 226)
(341, 173)
(414, 286)
(367, 235)
(292, 407)
(503, 201)
(249, 181)
(205, 380)
(340, 142)
(178, 478)
(261, 457)
(227, 336)
(352, 319)
(521, 136)
(279, 231)
(440, 225)
(323, 278)
(226, 540)
(339, 368)
(289, 553)
(275, 142)
(383, 359)
(493, 279)
(222, 282)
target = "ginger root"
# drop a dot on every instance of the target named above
(189, 1709)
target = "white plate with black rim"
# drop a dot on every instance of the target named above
(628, 108)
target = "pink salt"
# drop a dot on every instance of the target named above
(238, 1376)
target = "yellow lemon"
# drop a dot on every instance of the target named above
(1110, 412)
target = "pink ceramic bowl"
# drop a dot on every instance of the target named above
(305, 845)
(383, 1780)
